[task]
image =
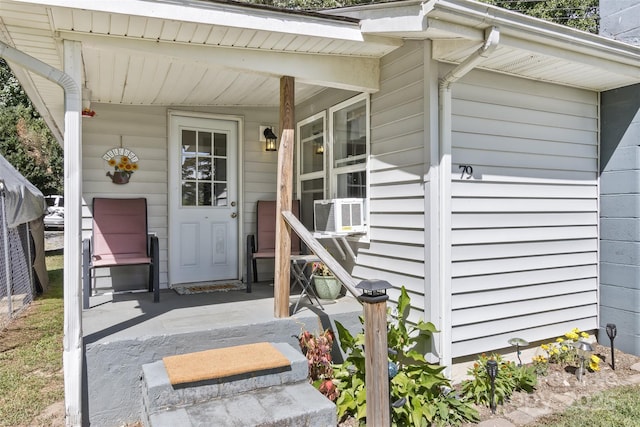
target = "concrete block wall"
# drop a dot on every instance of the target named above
(620, 189)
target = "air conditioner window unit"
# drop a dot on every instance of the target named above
(339, 216)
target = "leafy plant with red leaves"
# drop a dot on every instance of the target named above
(317, 349)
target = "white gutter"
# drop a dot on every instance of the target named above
(72, 356)
(492, 38)
(540, 30)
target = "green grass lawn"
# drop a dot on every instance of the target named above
(617, 407)
(31, 376)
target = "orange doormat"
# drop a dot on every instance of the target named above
(223, 362)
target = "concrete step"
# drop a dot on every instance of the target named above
(159, 395)
(266, 398)
(292, 405)
(122, 337)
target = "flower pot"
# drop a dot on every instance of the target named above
(327, 287)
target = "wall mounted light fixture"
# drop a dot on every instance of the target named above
(86, 103)
(268, 137)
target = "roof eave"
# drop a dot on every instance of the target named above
(467, 20)
(224, 13)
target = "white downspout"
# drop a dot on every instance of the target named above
(492, 38)
(72, 356)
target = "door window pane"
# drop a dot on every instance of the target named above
(219, 144)
(220, 180)
(220, 194)
(204, 168)
(188, 167)
(204, 143)
(189, 194)
(204, 193)
(220, 169)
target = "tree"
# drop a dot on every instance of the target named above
(308, 4)
(581, 14)
(25, 139)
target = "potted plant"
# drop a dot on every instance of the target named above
(326, 284)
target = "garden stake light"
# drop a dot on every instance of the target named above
(492, 371)
(518, 342)
(612, 332)
(583, 348)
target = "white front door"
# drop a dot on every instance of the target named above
(203, 199)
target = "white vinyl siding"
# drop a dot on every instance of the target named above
(143, 129)
(396, 251)
(525, 224)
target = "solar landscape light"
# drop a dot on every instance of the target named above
(584, 349)
(492, 371)
(518, 342)
(611, 333)
(374, 290)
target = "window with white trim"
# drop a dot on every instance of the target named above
(332, 155)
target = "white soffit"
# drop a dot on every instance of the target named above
(529, 47)
(189, 53)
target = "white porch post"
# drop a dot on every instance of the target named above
(73, 351)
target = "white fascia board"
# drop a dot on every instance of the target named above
(212, 13)
(342, 72)
(534, 30)
(401, 17)
(468, 19)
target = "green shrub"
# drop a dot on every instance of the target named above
(510, 378)
(419, 389)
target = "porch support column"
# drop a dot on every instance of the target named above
(283, 197)
(72, 356)
(70, 81)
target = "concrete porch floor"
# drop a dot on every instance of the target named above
(134, 315)
(123, 332)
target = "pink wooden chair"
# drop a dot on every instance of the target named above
(262, 245)
(120, 237)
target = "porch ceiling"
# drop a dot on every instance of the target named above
(210, 53)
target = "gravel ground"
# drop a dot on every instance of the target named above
(53, 240)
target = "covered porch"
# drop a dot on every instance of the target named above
(123, 332)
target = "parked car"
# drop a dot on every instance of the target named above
(54, 217)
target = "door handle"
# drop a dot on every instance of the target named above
(234, 215)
